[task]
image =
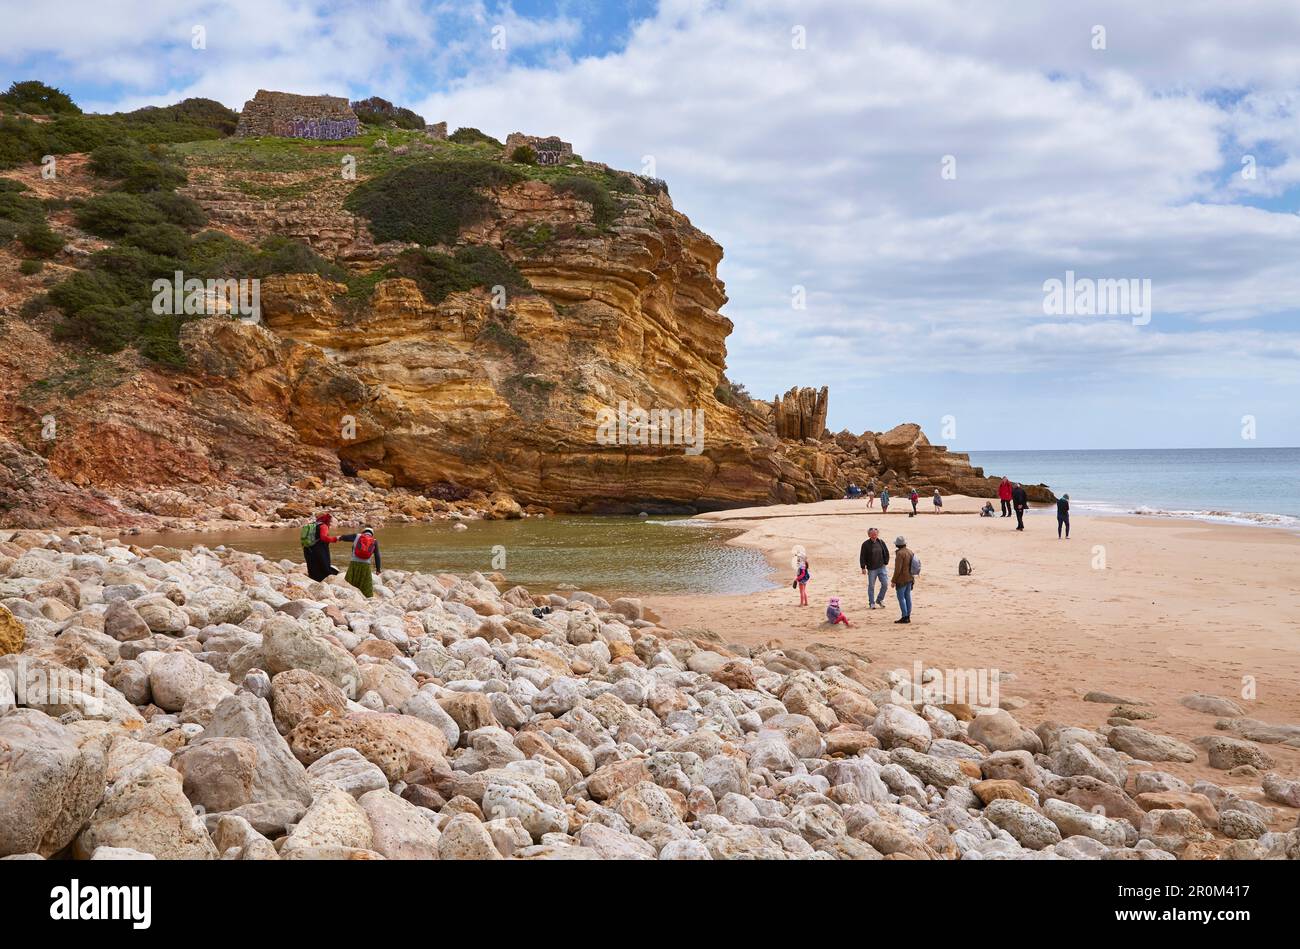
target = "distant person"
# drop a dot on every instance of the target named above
(853, 491)
(1004, 495)
(873, 559)
(1063, 516)
(938, 502)
(1019, 501)
(987, 509)
(915, 498)
(871, 498)
(906, 567)
(801, 578)
(884, 500)
(315, 538)
(835, 615)
(365, 562)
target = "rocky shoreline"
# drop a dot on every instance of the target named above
(211, 704)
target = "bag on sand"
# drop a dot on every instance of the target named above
(308, 534)
(964, 568)
(916, 565)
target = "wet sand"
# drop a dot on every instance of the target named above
(1180, 607)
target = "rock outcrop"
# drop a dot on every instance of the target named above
(402, 407)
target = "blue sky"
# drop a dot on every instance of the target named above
(819, 166)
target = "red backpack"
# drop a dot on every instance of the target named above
(364, 548)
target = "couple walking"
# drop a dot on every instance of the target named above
(1013, 495)
(873, 559)
(315, 538)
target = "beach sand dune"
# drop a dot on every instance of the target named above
(1139, 607)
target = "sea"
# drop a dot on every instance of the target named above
(1254, 486)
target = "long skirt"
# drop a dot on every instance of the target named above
(361, 576)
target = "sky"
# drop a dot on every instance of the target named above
(895, 182)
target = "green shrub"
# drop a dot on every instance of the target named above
(429, 202)
(8, 184)
(8, 230)
(21, 209)
(188, 117)
(107, 328)
(137, 168)
(115, 213)
(377, 111)
(29, 267)
(214, 254)
(178, 209)
(166, 240)
(503, 338)
(604, 208)
(535, 236)
(87, 288)
(439, 275)
(40, 240)
(472, 136)
(524, 155)
(34, 306)
(282, 255)
(37, 98)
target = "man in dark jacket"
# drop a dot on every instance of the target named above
(1019, 501)
(874, 559)
(318, 554)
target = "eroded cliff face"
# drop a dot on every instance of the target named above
(472, 401)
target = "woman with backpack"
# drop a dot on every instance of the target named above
(914, 497)
(315, 539)
(365, 562)
(907, 566)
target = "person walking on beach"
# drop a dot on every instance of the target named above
(1020, 501)
(1004, 495)
(835, 615)
(871, 497)
(914, 497)
(906, 566)
(884, 500)
(938, 502)
(316, 540)
(365, 562)
(1063, 516)
(873, 559)
(802, 576)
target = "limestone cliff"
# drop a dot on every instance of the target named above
(466, 400)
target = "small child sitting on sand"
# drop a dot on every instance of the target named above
(835, 615)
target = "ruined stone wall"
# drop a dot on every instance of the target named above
(325, 118)
(550, 149)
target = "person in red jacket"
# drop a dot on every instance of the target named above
(318, 554)
(1004, 495)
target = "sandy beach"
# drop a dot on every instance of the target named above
(1181, 607)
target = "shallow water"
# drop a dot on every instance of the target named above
(1256, 486)
(605, 555)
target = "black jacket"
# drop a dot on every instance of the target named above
(1018, 497)
(874, 554)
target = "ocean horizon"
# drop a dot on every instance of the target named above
(1254, 486)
